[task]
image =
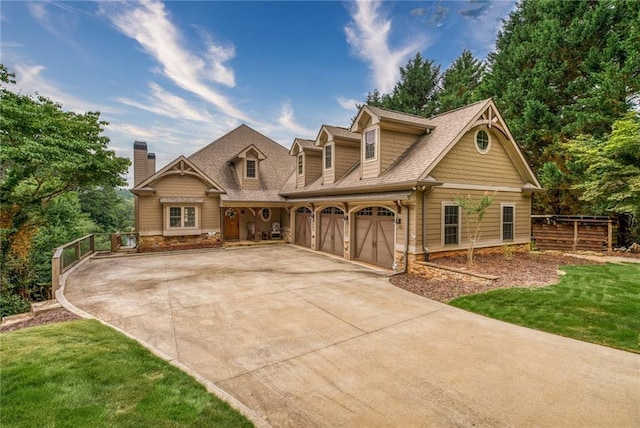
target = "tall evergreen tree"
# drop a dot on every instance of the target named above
(562, 69)
(461, 82)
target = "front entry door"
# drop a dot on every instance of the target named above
(231, 225)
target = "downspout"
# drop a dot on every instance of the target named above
(406, 236)
(424, 226)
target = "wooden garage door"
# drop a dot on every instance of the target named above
(374, 236)
(303, 227)
(332, 230)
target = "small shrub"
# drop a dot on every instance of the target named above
(509, 252)
(12, 304)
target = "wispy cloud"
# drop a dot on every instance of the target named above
(29, 80)
(150, 25)
(368, 36)
(287, 121)
(348, 103)
(167, 104)
(480, 39)
(61, 25)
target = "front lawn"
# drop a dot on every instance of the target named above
(599, 304)
(81, 374)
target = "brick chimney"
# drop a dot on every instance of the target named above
(151, 164)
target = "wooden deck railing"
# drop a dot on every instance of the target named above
(68, 255)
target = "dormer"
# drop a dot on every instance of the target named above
(308, 161)
(247, 166)
(340, 151)
(384, 136)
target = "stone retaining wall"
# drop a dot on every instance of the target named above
(435, 271)
(148, 244)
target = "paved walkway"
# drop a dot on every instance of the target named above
(307, 340)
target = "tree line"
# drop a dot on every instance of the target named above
(566, 77)
(58, 181)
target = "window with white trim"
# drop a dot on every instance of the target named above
(483, 142)
(451, 224)
(507, 220)
(300, 163)
(182, 217)
(251, 168)
(328, 156)
(370, 144)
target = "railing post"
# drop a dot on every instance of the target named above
(92, 243)
(114, 242)
(609, 237)
(575, 235)
(55, 272)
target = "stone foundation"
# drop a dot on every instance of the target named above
(434, 271)
(501, 249)
(148, 244)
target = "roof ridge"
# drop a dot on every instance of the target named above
(459, 108)
(417, 116)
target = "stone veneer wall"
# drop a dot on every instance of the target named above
(167, 243)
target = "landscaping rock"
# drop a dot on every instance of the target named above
(634, 248)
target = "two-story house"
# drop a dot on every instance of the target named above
(379, 192)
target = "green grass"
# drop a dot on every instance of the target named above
(599, 304)
(83, 374)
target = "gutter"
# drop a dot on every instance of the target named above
(405, 185)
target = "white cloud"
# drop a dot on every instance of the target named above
(348, 103)
(149, 24)
(287, 120)
(167, 104)
(29, 80)
(368, 36)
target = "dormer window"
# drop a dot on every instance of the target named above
(328, 156)
(300, 164)
(370, 144)
(251, 168)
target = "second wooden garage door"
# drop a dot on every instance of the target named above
(303, 227)
(375, 236)
(332, 230)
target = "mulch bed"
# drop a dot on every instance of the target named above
(56, 315)
(523, 270)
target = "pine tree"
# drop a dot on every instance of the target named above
(460, 82)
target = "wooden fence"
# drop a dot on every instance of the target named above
(572, 233)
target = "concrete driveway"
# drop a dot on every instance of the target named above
(304, 339)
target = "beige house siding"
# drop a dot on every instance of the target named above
(151, 213)
(249, 183)
(344, 158)
(490, 226)
(312, 167)
(392, 145)
(465, 165)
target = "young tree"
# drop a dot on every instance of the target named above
(461, 82)
(474, 212)
(46, 153)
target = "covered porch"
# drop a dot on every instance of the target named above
(252, 222)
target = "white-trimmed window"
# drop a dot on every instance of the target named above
(483, 141)
(507, 222)
(300, 164)
(265, 214)
(328, 156)
(182, 217)
(251, 169)
(450, 224)
(370, 144)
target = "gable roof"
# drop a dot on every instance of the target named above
(183, 166)
(336, 131)
(303, 145)
(215, 160)
(442, 132)
(379, 114)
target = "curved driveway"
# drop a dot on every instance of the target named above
(304, 339)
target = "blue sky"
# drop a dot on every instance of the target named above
(178, 75)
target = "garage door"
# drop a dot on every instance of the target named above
(303, 227)
(374, 236)
(332, 231)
